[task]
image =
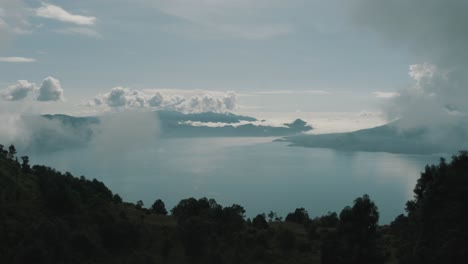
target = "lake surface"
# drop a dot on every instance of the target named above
(252, 172)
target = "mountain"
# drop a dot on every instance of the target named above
(389, 138)
(55, 132)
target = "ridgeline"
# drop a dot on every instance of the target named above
(51, 217)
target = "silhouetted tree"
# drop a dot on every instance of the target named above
(435, 230)
(11, 152)
(259, 222)
(139, 204)
(356, 241)
(272, 215)
(25, 166)
(117, 199)
(159, 207)
(299, 216)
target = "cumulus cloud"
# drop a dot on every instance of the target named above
(16, 59)
(18, 91)
(177, 100)
(57, 13)
(50, 90)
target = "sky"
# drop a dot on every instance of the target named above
(87, 56)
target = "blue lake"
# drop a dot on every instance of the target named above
(252, 172)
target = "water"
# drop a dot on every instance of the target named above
(252, 172)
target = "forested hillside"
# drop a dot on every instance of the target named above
(48, 216)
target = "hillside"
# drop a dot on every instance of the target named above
(51, 217)
(388, 138)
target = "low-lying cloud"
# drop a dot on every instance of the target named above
(176, 100)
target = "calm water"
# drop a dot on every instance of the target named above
(257, 174)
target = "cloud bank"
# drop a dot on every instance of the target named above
(49, 90)
(176, 100)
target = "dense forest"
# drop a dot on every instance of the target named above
(51, 217)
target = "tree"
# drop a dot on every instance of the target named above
(356, 240)
(139, 204)
(260, 222)
(300, 216)
(435, 230)
(11, 151)
(285, 238)
(272, 215)
(25, 164)
(117, 199)
(360, 219)
(159, 208)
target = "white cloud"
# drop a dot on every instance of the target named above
(85, 31)
(177, 100)
(50, 90)
(18, 91)
(16, 59)
(57, 13)
(385, 95)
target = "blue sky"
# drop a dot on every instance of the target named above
(276, 55)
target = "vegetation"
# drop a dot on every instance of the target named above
(51, 217)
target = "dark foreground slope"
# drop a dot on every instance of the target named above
(52, 217)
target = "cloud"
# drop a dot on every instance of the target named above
(177, 100)
(18, 91)
(231, 18)
(385, 95)
(50, 90)
(57, 13)
(434, 31)
(85, 31)
(16, 59)
(13, 19)
(323, 92)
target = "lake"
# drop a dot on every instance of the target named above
(253, 172)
